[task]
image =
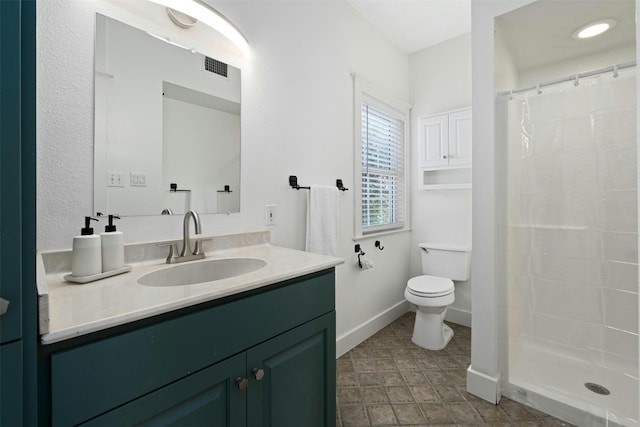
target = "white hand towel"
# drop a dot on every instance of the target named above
(322, 220)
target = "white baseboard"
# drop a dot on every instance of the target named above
(352, 338)
(484, 386)
(458, 316)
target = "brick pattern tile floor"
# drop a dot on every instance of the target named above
(389, 381)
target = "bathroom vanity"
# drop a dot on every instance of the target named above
(256, 349)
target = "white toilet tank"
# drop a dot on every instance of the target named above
(448, 261)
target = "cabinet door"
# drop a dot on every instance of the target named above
(207, 398)
(298, 383)
(434, 142)
(11, 384)
(460, 138)
(10, 172)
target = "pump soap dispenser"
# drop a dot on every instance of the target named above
(86, 258)
(112, 247)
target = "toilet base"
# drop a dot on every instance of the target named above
(430, 332)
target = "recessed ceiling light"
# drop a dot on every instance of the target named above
(594, 29)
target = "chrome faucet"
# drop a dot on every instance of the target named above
(186, 240)
(186, 254)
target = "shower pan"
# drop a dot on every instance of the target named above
(571, 238)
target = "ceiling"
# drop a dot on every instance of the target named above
(536, 34)
(541, 32)
(417, 24)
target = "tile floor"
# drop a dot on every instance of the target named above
(389, 381)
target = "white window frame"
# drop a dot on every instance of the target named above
(363, 91)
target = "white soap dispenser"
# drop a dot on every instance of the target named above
(86, 257)
(112, 247)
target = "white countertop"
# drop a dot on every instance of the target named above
(78, 309)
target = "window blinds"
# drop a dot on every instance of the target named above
(382, 170)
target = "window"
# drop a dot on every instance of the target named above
(381, 157)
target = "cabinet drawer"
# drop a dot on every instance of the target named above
(91, 379)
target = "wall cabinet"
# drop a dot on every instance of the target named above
(445, 140)
(263, 359)
(445, 151)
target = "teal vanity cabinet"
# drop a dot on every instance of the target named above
(17, 212)
(260, 358)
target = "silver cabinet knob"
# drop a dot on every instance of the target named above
(4, 305)
(258, 374)
(242, 383)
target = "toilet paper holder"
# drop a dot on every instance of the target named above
(360, 253)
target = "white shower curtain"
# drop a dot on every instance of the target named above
(572, 249)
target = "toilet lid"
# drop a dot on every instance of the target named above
(430, 286)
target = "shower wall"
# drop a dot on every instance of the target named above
(572, 225)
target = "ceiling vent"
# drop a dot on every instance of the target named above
(215, 66)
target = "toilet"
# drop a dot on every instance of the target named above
(433, 292)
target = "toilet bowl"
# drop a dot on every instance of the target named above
(432, 294)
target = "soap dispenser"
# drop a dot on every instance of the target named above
(86, 258)
(112, 247)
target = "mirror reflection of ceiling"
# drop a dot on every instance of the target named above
(541, 32)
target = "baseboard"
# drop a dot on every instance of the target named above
(352, 338)
(484, 386)
(458, 316)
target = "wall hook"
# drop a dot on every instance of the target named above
(379, 245)
(615, 70)
(340, 185)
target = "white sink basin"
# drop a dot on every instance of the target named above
(194, 272)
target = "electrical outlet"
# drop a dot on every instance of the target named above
(270, 214)
(115, 179)
(138, 179)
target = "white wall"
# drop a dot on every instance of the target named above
(529, 77)
(440, 80)
(297, 115)
(483, 377)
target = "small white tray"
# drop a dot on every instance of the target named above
(94, 277)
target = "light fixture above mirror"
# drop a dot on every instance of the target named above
(204, 13)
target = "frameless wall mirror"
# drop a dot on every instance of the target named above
(167, 126)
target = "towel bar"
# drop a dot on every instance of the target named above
(293, 182)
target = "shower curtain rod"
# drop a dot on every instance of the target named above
(613, 68)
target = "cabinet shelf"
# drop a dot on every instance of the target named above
(445, 179)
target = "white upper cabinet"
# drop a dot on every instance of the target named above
(445, 140)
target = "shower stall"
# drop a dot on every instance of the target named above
(571, 235)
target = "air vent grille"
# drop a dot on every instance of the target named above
(215, 66)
